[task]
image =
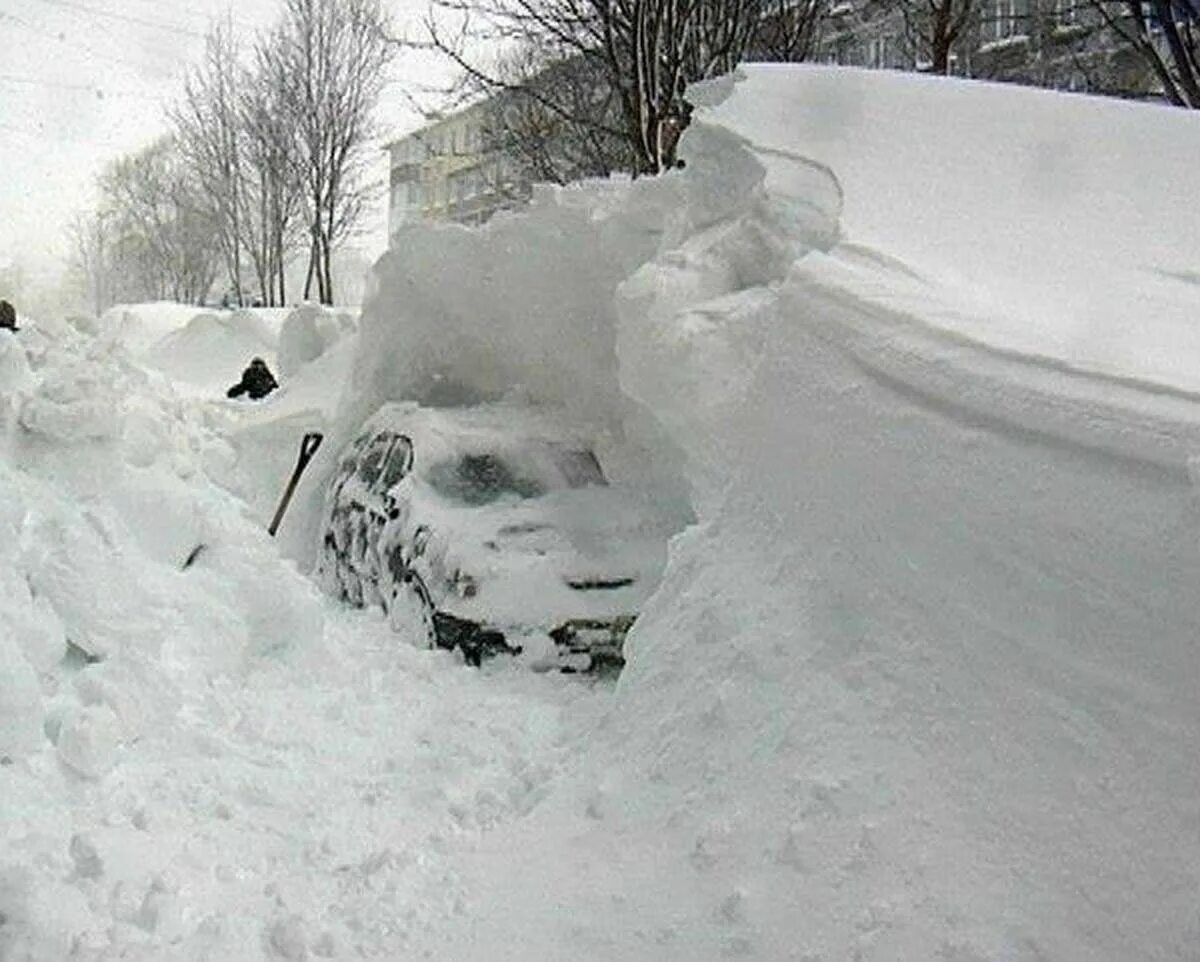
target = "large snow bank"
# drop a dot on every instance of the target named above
(308, 332)
(922, 683)
(140, 326)
(1062, 220)
(106, 504)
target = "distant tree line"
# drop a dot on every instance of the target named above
(266, 163)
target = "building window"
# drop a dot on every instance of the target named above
(1154, 26)
(1066, 12)
(877, 52)
(1008, 19)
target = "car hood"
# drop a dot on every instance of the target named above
(592, 552)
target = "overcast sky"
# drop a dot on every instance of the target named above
(83, 81)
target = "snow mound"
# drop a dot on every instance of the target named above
(308, 332)
(212, 349)
(139, 326)
(121, 560)
(1069, 241)
(537, 320)
(535, 310)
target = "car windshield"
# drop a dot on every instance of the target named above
(527, 470)
(480, 479)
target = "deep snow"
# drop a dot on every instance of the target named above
(921, 680)
(207, 760)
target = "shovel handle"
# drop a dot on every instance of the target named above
(308, 447)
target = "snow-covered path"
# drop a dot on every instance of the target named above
(240, 768)
(301, 811)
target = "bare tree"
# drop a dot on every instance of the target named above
(936, 26)
(1165, 34)
(933, 30)
(236, 133)
(788, 30)
(209, 132)
(272, 188)
(330, 56)
(645, 52)
(157, 226)
(91, 257)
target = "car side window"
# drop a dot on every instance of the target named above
(398, 462)
(386, 460)
(370, 463)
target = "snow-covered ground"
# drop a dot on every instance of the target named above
(920, 682)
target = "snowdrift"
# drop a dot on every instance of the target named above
(922, 682)
(140, 326)
(131, 583)
(307, 333)
(203, 352)
(1056, 220)
(211, 350)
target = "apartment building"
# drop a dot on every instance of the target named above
(1060, 44)
(442, 172)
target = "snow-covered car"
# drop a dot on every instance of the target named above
(489, 528)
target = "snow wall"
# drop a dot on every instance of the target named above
(107, 504)
(1061, 218)
(922, 682)
(524, 307)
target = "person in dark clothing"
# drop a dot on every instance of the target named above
(257, 381)
(8, 317)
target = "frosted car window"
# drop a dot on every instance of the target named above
(399, 460)
(386, 460)
(480, 479)
(370, 464)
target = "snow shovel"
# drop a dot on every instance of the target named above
(308, 447)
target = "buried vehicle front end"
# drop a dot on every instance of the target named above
(556, 576)
(486, 532)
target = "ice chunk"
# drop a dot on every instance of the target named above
(88, 740)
